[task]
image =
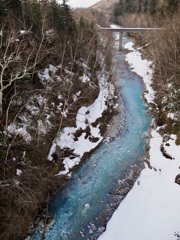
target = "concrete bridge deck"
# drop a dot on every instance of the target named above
(131, 29)
(127, 30)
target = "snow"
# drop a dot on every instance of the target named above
(174, 116)
(78, 93)
(80, 3)
(42, 128)
(30, 119)
(116, 35)
(52, 68)
(18, 172)
(32, 108)
(143, 68)
(40, 99)
(86, 116)
(151, 209)
(23, 32)
(84, 78)
(13, 129)
(45, 77)
(115, 26)
(94, 111)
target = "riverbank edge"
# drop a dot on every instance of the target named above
(44, 218)
(154, 135)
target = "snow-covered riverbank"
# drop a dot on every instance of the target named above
(151, 209)
(87, 134)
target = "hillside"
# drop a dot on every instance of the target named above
(104, 6)
(52, 70)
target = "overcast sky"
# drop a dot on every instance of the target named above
(81, 3)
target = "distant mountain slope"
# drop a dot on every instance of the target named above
(104, 5)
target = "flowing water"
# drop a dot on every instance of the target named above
(86, 202)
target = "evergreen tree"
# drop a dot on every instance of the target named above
(118, 9)
(139, 6)
(32, 14)
(13, 4)
(153, 7)
(81, 22)
(60, 16)
(7, 6)
(145, 6)
(171, 5)
(116, 12)
(128, 6)
(3, 10)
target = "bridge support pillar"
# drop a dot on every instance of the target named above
(120, 41)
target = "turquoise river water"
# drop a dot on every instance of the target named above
(85, 204)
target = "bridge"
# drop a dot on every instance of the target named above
(127, 30)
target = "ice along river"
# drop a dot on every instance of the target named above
(84, 205)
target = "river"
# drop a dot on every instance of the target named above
(85, 204)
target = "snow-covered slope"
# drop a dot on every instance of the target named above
(104, 4)
(89, 134)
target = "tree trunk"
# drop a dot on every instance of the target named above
(0, 103)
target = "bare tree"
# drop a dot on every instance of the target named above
(15, 59)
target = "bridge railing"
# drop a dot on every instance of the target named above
(127, 30)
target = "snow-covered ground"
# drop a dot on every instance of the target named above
(143, 68)
(151, 210)
(85, 119)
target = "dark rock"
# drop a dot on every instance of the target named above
(165, 154)
(177, 179)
